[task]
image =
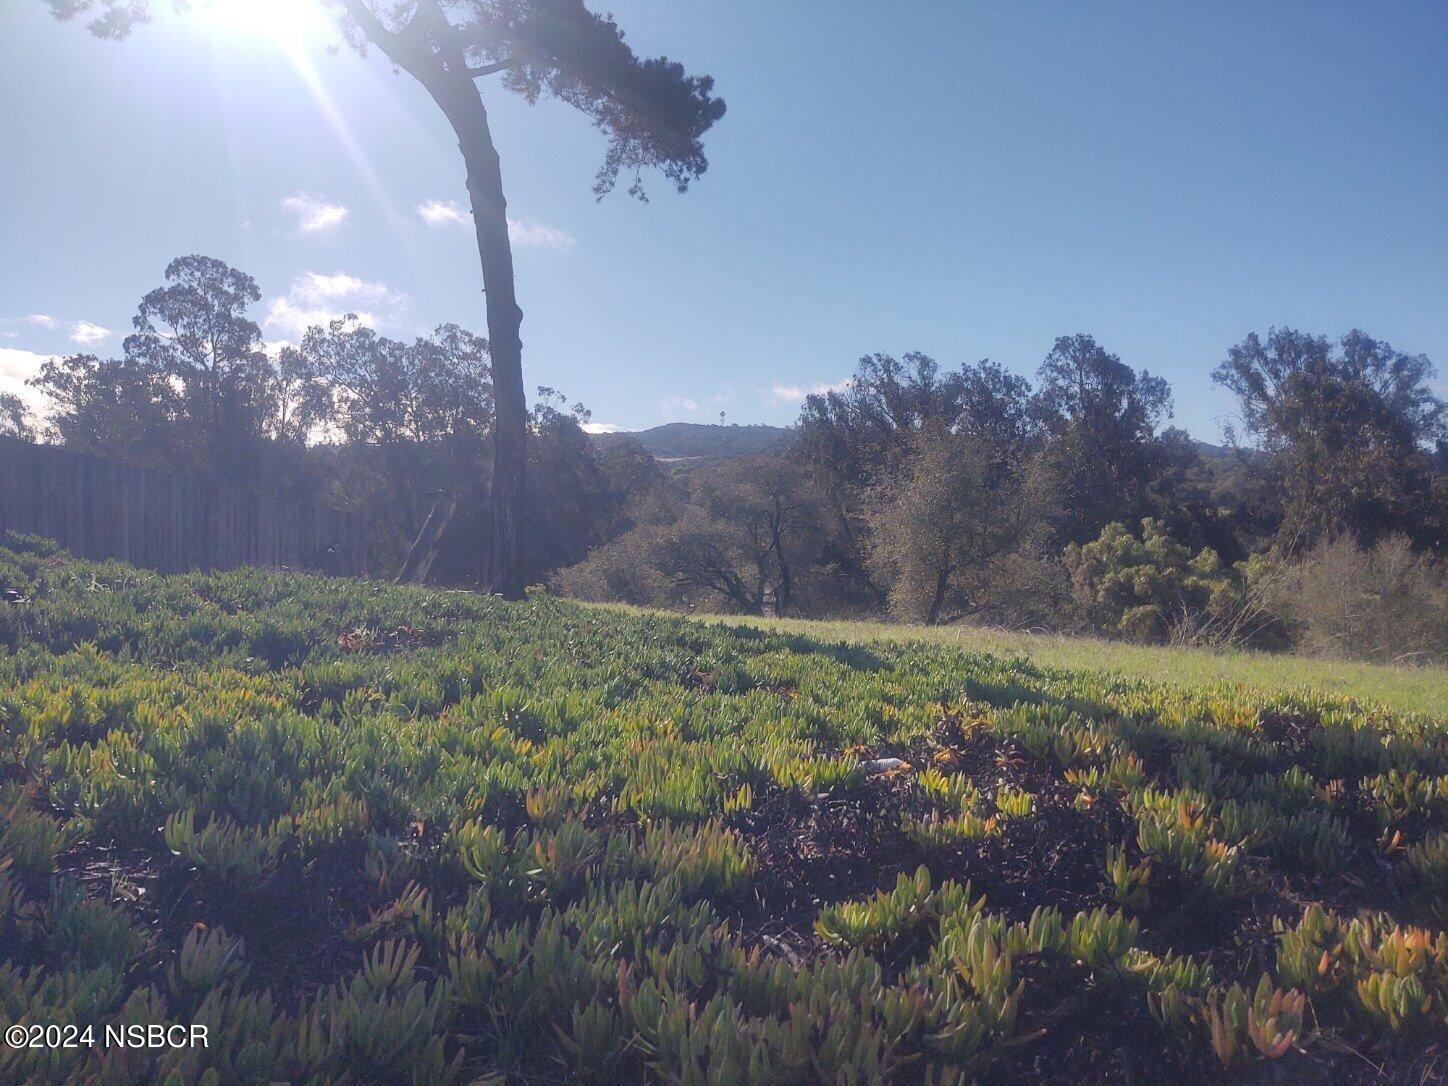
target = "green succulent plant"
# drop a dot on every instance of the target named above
(541, 842)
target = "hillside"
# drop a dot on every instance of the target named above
(712, 441)
(688, 440)
(1403, 689)
(378, 834)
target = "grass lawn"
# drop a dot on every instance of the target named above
(1404, 689)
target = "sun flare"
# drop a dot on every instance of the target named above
(289, 23)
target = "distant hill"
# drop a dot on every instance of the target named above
(1214, 452)
(702, 441)
(711, 441)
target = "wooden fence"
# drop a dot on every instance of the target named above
(98, 508)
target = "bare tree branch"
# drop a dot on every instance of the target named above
(497, 66)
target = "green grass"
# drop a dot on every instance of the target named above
(1405, 689)
(367, 833)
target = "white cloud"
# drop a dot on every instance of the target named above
(778, 394)
(601, 428)
(87, 334)
(273, 348)
(17, 367)
(521, 232)
(314, 214)
(442, 213)
(539, 235)
(313, 287)
(295, 319)
(677, 405)
(33, 320)
(316, 299)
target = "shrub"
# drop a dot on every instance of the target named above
(1153, 589)
(622, 571)
(1023, 590)
(1387, 603)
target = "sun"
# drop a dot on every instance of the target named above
(288, 23)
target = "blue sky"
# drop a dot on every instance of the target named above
(965, 179)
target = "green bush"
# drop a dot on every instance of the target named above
(1153, 589)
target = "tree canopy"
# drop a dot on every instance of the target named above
(193, 379)
(1347, 430)
(14, 417)
(1100, 418)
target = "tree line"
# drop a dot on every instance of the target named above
(937, 494)
(928, 493)
(394, 430)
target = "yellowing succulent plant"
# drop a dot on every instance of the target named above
(542, 842)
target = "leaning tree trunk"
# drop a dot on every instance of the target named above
(429, 50)
(418, 565)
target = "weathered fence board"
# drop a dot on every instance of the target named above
(98, 508)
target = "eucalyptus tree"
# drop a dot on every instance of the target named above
(654, 115)
(15, 417)
(192, 388)
(1346, 432)
(864, 439)
(1100, 418)
(411, 417)
(195, 334)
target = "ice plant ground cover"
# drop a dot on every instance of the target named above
(373, 834)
